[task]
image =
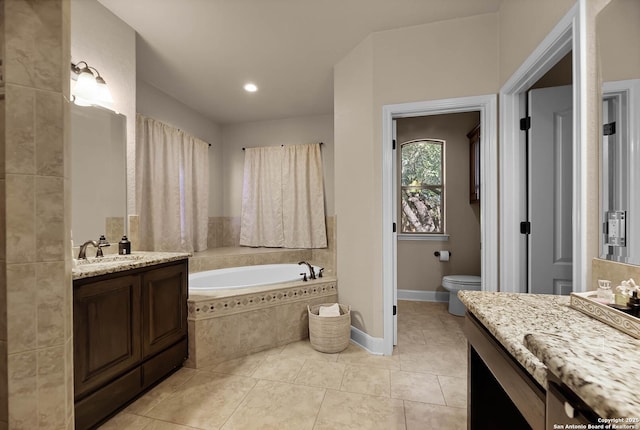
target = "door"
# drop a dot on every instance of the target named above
(106, 331)
(164, 308)
(394, 250)
(550, 190)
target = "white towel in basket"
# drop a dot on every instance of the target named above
(329, 311)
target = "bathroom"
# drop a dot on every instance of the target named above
(495, 55)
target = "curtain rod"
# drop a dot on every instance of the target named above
(321, 143)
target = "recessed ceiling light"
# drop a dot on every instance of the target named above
(251, 88)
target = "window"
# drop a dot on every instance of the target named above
(422, 187)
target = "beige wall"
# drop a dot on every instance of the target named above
(428, 62)
(523, 24)
(36, 385)
(418, 268)
(289, 131)
(355, 192)
(618, 33)
(154, 103)
(105, 42)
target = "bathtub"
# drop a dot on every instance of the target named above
(246, 276)
(238, 311)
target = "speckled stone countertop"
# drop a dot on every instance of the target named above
(118, 263)
(599, 363)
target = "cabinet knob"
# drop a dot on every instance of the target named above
(569, 410)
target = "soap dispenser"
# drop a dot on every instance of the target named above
(124, 246)
(634, 304)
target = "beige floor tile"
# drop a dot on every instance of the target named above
(303, 348)
(454, 390)
(163, 425)
(321, 374)
(161, 391)
(277, 406)
(244, 366)
(206, 402)
(413, 336)
(125, 421)
(418, 387)
(356, 355)
(373, 381)
(423, 416)
(438, 365)
(439, 360)
(279, 368)
(342, 410)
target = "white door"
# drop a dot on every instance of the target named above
(550, 190)
(394, 250)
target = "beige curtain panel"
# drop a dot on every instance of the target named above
(172, 187)
(283, 197)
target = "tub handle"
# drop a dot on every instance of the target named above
(304, 277)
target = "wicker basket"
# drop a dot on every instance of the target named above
(329, 334)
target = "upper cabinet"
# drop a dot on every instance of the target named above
(474, 164)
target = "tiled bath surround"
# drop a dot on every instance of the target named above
(236, 323)
(239, 322)
(36, 373)
(224, 232)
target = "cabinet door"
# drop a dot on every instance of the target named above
(106, 331)
(164, 308)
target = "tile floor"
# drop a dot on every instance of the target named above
(423, 385)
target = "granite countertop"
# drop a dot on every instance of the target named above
(118, 263)
(599, 363)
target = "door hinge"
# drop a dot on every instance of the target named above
(525, 123)
(525, 227)
(609, 129)
(395, 310)
(393, 144)
(394, 227)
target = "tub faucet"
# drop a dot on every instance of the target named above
(312, 273)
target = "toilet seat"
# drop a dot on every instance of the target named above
(455, 283)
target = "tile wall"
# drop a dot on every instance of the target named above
(225, 232)
(35, 198)
(613, 271)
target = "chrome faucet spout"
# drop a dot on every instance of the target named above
(312, 273)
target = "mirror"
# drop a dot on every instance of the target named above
(619, 68)
(98, 174)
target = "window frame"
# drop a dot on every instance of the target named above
(439, 235)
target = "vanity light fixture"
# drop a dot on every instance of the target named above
(90, 89)
(250, 87)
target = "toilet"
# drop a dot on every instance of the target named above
(455, 283)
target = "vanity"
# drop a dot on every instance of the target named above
(535, 362)
(129, 328)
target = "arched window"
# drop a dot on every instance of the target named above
(422, 186)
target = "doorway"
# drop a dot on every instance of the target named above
(513, 210)
(487, 106)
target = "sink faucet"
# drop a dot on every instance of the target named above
(101, 243)
(312, 273)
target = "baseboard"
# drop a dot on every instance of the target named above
(372, 344)
(423, 296)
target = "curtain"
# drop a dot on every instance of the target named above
(283, 198)
(172, 187)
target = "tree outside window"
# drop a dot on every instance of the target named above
(422, 187)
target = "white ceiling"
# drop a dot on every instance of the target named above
(202, 52)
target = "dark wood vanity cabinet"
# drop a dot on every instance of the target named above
(130, 330)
